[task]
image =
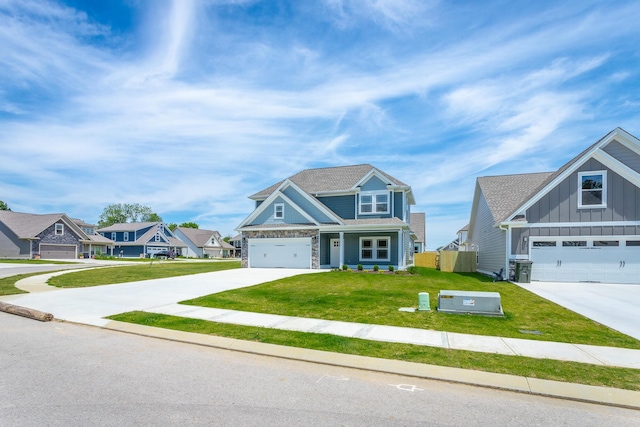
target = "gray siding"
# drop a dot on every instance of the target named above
(343, 206)
(306, 205)
(374, 184)
(489, 240)
(398, 208)
(11, 246)
(561, 203)
(623, 154)
(291, 216)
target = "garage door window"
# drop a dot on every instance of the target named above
(606, 243)
(574, 243)
(374, 248)
(593, 189)
(543, 244)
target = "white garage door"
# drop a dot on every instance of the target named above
(606, 261)
(280, 253)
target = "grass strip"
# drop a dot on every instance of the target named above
(375, 299)
(8, 284)
(623, 378)
(138, 272)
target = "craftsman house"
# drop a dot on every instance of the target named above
(47, 236)
(142, 239)
(580, 223)
(203, 243)
(330, 217)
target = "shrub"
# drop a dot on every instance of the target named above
(359, 267)
(344, 267)
(391, 268)
(376, 268)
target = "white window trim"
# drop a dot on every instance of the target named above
(113, 236)
(59, 229)
(604, 189)
(275, 211)
(125, 236)
(374, 248)
(374, 197)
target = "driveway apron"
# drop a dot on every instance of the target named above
(91, 305)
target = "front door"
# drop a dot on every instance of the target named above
(335, 253)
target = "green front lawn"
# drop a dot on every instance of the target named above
(138, 272)
(376, 298)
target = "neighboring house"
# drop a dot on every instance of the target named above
(98, 245)
(463, 239)
(418, 226)
(236, 242)
(580, 223)
(203, 243)
(141, 239)
(329, 217)
(49, 236)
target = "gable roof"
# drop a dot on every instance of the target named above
(28, 226)
(201, 237)
(327, 180)
(128, 226)
(508, 195)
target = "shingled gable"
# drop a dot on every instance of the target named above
(278, 193)
(28, 226)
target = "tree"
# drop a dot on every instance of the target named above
(172, 226)
(117, 213)
(3, 206)
(189, 225)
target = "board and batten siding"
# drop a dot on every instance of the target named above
(291, 216)
(489, 239)
(560, 205)
(306, 205)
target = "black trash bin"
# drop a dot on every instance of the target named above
(523, 271)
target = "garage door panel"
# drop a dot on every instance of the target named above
(57, 251)
(614, 264)
(280, 253)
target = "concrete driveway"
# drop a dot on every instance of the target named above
(91, 305)
(616, 306)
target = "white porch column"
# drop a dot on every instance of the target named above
(401, 263)
(341, 249)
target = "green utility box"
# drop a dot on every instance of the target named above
(523, 271)
(423, 301)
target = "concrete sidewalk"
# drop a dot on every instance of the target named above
(604, 356)
(91, 306)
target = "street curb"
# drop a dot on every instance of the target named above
(570, 391)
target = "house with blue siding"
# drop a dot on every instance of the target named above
(141, 239)
(580, 223)
(330, 217)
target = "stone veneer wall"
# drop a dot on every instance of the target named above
(282, 234)
(49, 236)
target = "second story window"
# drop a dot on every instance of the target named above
(374, 203)
(278, 211)
(113, 236)
(126, 236)
(59, 229)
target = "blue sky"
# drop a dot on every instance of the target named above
(188, 107)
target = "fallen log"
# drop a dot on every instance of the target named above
(26, 312)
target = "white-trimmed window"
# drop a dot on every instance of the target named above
(125, 236)
(375, 248)
(592, 189)
(278, 211)
(113, 236)
(374, 203)
(59, 229)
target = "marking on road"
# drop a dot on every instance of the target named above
(333, 377)
(406, 387)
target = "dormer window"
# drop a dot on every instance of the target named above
(592, 189)
(278, 211)
(374, 203)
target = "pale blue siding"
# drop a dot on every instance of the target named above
(291, 216)
(343, 206)
(307, 206)
(374, 184)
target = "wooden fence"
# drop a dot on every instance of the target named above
(426, 259)
(458, 262)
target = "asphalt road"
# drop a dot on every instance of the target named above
(62, 374)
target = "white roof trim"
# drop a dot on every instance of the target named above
(618, 167)
(368, 176)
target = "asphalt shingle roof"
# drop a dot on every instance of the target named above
(26, 225)
(340, 178)
(506, 193)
